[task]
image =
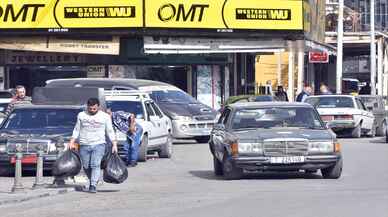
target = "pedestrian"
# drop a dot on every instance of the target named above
(126, 123)
(91, 129)
(19, 98)
(281, 94)
(366, 90)
(324, 90)
(306, 92)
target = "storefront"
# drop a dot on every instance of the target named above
(180, 42)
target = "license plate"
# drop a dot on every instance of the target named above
(287, 159)
(29, 159)
(327, 117)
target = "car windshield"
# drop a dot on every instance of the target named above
(21, 119)
(134, 107)
(301, 117)
(173, 96)
(331, 102)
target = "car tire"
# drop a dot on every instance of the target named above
(143, 149)
(166, 149)
(217, 167)
(333, 172)
(229, 169)
(356, 133)
(386, 138)
(381, 130)
(202, 139)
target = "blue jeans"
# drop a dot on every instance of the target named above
(91, 156)
(131, 146)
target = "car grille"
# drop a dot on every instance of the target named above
(204, 118)
(27, 146)
(201, 125)
(285, 148)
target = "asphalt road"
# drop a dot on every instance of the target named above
(185, 186)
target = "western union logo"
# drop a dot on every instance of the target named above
(100, 12)
(262, 14)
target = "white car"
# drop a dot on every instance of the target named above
(157, 135)
(344, 114)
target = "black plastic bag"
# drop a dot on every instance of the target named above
(115, 171)
(67, 165)
(105, 158)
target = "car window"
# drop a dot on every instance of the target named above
(41, 118)
(331, 102)
(276, 117)
(149, 109)
(134, 107)
(157, 110)
(172, 96)
(360, 105)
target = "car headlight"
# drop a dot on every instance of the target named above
(246, 148)
(321, 147)
(182, 118)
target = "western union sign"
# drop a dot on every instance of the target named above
(174, 14)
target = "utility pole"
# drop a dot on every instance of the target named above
(372, 48)
(340, 37)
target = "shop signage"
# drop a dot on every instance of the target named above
(318, 57)
(95, 71)
(42, 58)
(51, 14)
(62, 15)
(63, 45)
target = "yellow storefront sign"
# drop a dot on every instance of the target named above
(223, 14)
(45, 14)
(174, 14)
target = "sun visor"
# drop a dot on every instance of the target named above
(67, 96)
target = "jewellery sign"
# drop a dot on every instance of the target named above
(54, 14)
(60, 15)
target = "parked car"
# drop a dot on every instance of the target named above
(376, 105)
(273, 136)
(156, 125)
(344, 114)
(190, 118)
(251, 98)
(5, 98)
(31, 126)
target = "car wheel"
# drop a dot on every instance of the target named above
(386, 138)
(217, 167)
(229, 169)
(166, 149)
(202, 139)
(356, 133)
(333, 172)
(143, 149)
(381, 130)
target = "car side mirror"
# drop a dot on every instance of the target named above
(219, 127)
(328, 125)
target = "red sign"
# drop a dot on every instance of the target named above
(318, 57)
(28, 159)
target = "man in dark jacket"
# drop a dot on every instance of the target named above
(281, 94)
(306, 92)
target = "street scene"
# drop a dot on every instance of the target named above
(194, 108)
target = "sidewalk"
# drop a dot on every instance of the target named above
(7, 197)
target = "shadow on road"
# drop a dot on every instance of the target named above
(378, 140)
(209, 175)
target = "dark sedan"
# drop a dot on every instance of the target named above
(273, 136)
(31, 126)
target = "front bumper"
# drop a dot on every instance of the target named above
(313, 162)
(189, 129)
(48, 162)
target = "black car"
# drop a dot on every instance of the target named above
(273, 136)
(190, 118)
(31, 126)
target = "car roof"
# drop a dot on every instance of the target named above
(107, 83)
(269, 104)
(335, 95)
(34, 106)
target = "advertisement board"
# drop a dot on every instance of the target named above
(168, 14)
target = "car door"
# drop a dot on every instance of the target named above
(367, 116)
(218, 134)
(164, 123)
(156, 132)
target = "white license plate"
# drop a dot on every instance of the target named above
(287, 160)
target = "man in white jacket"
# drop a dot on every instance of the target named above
(91, 130)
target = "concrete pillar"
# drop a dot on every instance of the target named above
(380, 66)
(300, 70)
(279, 68)
(291, 56)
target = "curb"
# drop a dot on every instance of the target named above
(38, 195)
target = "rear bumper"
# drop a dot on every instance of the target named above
(264, 164)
